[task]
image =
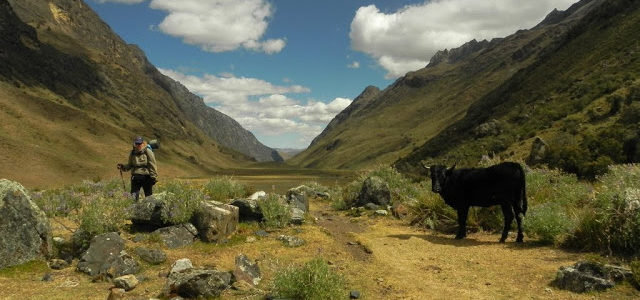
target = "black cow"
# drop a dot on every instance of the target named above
(502, 184)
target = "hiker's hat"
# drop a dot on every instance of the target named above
(138, 140)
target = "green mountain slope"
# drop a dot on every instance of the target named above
(582, 98)
(73, 95)
(422, 111)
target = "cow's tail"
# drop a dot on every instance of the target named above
(523, 192)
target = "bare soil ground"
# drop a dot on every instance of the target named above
(381, 257)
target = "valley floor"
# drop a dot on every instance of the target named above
(381, 257)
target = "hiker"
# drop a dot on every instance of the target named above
(144, 172)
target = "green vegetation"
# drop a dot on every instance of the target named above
(276, 213)
(315, 280)
(182, 199)
(224, 188)
(635, 268)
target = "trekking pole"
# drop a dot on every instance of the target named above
(121, 177)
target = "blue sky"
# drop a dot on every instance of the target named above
(284, 68)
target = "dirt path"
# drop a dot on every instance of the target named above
(395, 261)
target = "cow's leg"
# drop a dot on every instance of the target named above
(520, 237)
(507, 212)
(462, 223)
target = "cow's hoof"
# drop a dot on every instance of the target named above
(502, 240)
(460, 236)
(519, 240)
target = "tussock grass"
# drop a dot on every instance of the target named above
(314, 280)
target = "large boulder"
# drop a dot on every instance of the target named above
(215, 221)
(149, 211)
(152, 256)
(538, 151)
(197, 283)
(106, 256)
(177, 235)
(374, 190)
(25, 232)
(248, 209)
(590, 276)
(297, 198)
(246, 270)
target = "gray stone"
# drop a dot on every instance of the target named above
(291, 241)
(47, 277)
(297, 198)
(126, 282)
(248, 210)
(177, 235)
(590, 276)
(152, 256)
(297, 216)
(58, 264)
(262, 233)
(181, 265)
(381, 212)
(106, 257)
(149, 211)
(538, 151)
(215, 221)
(354, 295)
(492, 127)
(197, 283)
(370, 206)
(246, 270)
(257, 195)
(374, 190)
(25, 232)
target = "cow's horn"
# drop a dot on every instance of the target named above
(425, 166)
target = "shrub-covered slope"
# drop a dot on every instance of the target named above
(582, 98)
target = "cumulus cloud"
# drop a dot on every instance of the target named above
(424, 29)
(262, 107)
(354, 65)
(219, 25)
(122, 1)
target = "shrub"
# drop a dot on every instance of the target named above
(276, 214)
(635, 269)
(431, 212)
(57, 203)
(349, 195)
(224, 188)
(102, 214)
(181, 199)
(549, 223)
(401, 187)
(613, 226)
(312, 281)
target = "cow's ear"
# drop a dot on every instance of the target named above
(425, 166)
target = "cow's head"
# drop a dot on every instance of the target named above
(439, 176)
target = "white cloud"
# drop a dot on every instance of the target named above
(423, 29)
(354, 65)
(123, 1)
(262, 107)
(219, 25)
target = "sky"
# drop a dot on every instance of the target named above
(284, 68)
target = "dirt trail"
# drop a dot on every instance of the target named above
(395, 261)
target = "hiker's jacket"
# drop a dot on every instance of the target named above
(142, 163)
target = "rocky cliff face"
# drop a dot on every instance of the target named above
(98, 62)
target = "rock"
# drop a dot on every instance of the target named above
(248, 210)
(589, 276)
(538, 151)
(374, 190)
(492, 127)
(250, 239)
(116, 294)
(177, 235)
(291, 241)
(25, 232)
(58, 264)
(126, 282)
(354, 295)
(181, 265)
(63, 249)
(148, 212)
(47, 277)
(370, 206)
(297, 198)
(297, 216)
(80, 241)
(381, 212)
(215, 221)
(246, 270)
(197, 283)
(106, 256)
(152, 256)
(262, 233)
(257, 195)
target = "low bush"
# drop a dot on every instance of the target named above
(635, 269)
(276, 214)
(315, 280)
(101, 214)
(430, 211)
(182, 200)
(549, 223)
(223, 189)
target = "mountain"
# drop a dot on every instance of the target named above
(73, 94)
(495, 97)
